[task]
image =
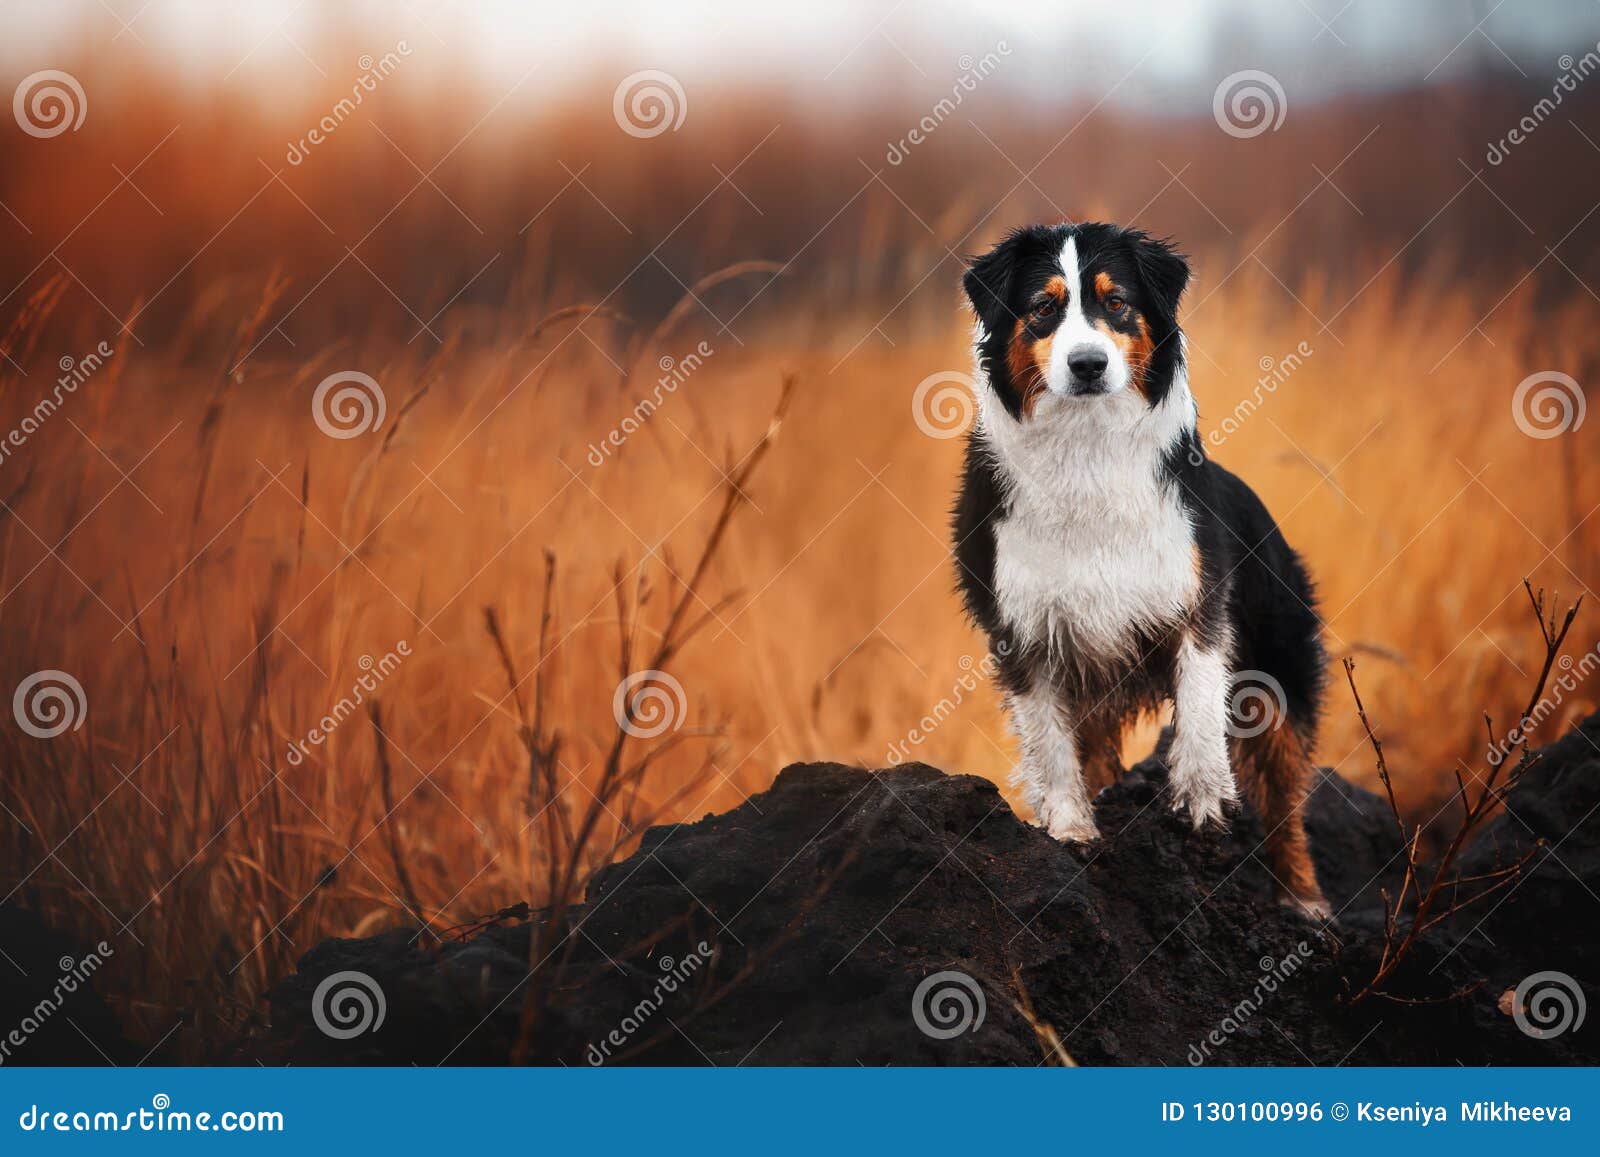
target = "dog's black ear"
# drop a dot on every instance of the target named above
(1163, 270)
(988, 282)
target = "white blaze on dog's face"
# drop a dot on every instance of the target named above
(1083, 359)
(1068, 314)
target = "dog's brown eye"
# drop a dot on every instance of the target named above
(1116, 304)
(1042, 309)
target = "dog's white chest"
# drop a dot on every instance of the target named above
(1093, 575)
(1096, 550)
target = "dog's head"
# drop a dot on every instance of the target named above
(1071, 313)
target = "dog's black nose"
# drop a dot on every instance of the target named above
(1087, 362)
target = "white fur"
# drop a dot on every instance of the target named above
(1050, 775)
(1095, 548)
(1202, 781)
(1075, 332)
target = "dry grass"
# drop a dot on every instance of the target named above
(220, 599)
(212, 631)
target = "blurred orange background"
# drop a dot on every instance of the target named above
(516, 256)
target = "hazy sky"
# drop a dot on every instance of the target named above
(835, 47)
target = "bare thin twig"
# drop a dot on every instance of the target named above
(1433, 907)
(386, 782)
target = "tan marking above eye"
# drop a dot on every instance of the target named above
(1103, 285)
(1056, 287)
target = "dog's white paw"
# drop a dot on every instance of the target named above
(1067, 823)
(1204, 797)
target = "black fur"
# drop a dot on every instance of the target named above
(1260, 585)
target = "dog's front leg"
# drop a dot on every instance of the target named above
(1202, 782)
(1051, 774)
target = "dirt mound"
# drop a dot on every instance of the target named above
(50, 1013)
(909, 917)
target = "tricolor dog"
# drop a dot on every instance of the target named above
(1115, 567)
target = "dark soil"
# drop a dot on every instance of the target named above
(823, 903)
(49, 1011)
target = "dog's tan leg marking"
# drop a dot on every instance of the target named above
(1100, 749)
(1277, 772)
